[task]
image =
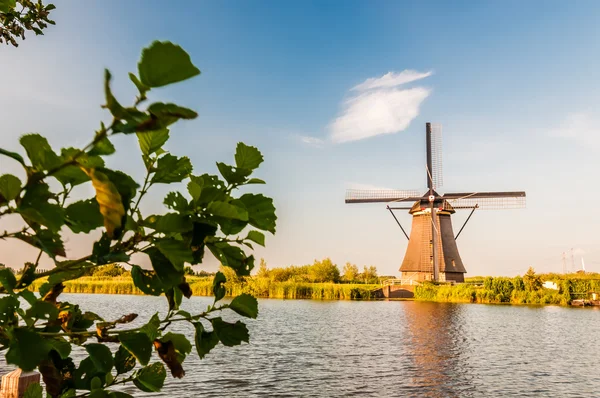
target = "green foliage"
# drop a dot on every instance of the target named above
(350, 272)
(527, 289)
(532, 281)
(324, 271)
(18, 16)
(38, 331)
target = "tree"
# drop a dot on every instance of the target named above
(263, 270)
(196, 221)
(532, 281)
(350, 273)
(187, 270)
(369, 274)
(109, 270)
(18, 16)
(324, 271)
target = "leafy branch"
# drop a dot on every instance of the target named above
(40, 333)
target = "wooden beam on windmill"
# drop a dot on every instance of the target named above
(432, 253)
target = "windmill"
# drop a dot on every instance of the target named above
(432, 253)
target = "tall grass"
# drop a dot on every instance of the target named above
(259, 287)
(512, 290)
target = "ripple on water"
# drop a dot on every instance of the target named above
(338, 348)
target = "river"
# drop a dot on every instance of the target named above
(386, 348)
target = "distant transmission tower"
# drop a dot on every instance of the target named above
(564, 259)
(572, 261)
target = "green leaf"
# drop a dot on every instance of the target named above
(247, 157)
(124, 361)
(207, 188)
(152, 141)
(255, 181)
(168, 274)
(182, 345)
(102, 147)
(151, 328)
(174, 298)
(232, 256)
(147, 281)
(126, 186)
(196, 237)
(7, 6)
(257, 237)
(219, 285)
(140, 86)
(34, 391)
(8, 280)
(109, 200)
(40, 153)
(166, 114)
(42, 310)
(13, 155)
(27, 349)
(28, 296)
(165, 63)
(68, 274)
(101, 357)
(84, 216)
(176, 251)
(61, 346)
(261, 212)
(245, 305)
(47, 214)
(176, 201)
(10, 186)
(34, 207)
(46, 240)
(118, 111)
(170, 222)
(170, 169)
(226, 210)
(151, 378)
(74, 175)
(138, 344)
(205, 341)
(233, 175)
(230, 334)
(8, 307)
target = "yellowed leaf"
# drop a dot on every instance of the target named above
(109, 200)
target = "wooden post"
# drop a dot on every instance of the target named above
(16, 382)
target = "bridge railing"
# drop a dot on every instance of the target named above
(403, 282)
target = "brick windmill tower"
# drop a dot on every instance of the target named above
(432, 253)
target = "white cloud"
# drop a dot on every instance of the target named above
(580, 127)
(312, 141)
(379, 107)
(392, 79)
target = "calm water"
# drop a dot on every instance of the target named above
(340, 348)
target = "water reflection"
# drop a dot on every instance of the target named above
(386, 349)
(435, 345)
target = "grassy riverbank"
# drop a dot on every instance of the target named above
(202, 286)
(518, 290)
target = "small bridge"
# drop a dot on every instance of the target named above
(397, 288)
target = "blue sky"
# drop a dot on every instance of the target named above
(515, 84)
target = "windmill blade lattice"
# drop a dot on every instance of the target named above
(381, 196)
(487, 200)
(437, 176)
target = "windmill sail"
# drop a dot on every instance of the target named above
(436, 155)
(381, 196)
(486, 200)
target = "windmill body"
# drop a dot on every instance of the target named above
(432, 253)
